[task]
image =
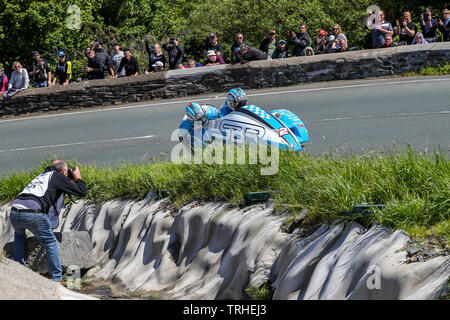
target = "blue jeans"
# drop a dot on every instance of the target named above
(39, 225)
(40, 84)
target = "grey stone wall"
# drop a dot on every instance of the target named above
(257, 74)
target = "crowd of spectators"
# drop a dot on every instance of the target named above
(121, 63)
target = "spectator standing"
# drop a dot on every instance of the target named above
(379, 30)
(281, 51)
(154, 55)
(444, 26)
(30, 210)
(213, 44)
(192, 64)
(42, 75)
(102, 56)
(321, 43)
(269, 44)
(406, 28)
(94, 69)
(236, 47)
(175, 53)
(3, 81)
(19, 80)
(213, 59)
(129, 63)
(428, 25)
(114, 61)
(63, 70)
(300, 40)
(251, 54)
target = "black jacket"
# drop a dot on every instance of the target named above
(278, 54)
(301, 41)
(264, 46)
(153, 58)
(445, 31)
(131, 67)
(254, 54)
(48, 187)
(103, 59)
(175, 55)
(98, 72)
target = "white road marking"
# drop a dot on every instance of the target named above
(382, 116)
(76, 143)
(222, 98)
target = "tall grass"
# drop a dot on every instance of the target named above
(414, 187)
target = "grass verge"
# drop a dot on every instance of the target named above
(439, 70)
(413, 186)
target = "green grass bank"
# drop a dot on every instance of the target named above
(415, 187)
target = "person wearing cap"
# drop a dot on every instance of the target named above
(444, 26)
(269, 44)
(129, 63)
(158, 66)
(102, 55)
(428, 25)
(115, 59)
(94, 69)
(175, 53)
(321, 43)
(212, 59)
(213, 44)
(379, 30)
(63, 70)
(281, 51)
(3, 81)
(42, 75)
(154, 55)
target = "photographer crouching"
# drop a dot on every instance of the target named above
(30, 210)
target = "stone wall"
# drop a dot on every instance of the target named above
(257, 74)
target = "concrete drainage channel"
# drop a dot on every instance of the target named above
(146, 250)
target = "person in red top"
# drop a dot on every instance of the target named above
(3, 81)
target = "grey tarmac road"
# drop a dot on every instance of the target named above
(341, 117)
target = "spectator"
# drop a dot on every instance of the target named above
(130, 64)
(340, 44)
(236, 47)
(269, 44)
(309, 51)
(192, 64)
(331, 44)
(158, 66)
(379, 29)
(248, 53)
(63, 70)
(321, 43)
(337, 31)
(94, 69)
(42, 75)
(406, 28)
(213, 44)
(301, 41)
(114, 61)
(175, 53)
(419, 39)
(19, 80)
(213, 59)
(281, 51)
(154, 55)
(388, 41)
(445, 26)
(102, 55)
(429, 26)
(3, 81)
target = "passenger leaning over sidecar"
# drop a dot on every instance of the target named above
(236, 98)
(196, 112)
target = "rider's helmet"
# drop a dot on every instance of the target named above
(196, 112)
(236, 98)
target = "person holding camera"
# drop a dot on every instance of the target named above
(444, 26)
(29, 210)
(321, 43)
(379, 29)
(428, 25)
(406, 28)
(154, 55)
(42, 75)
(300, 40)
(175, 53)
